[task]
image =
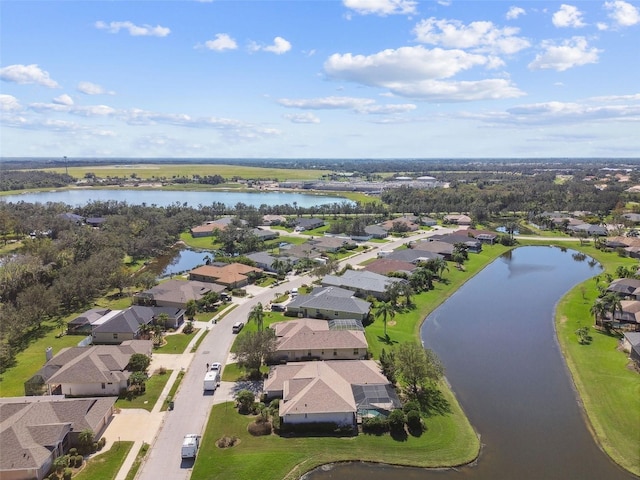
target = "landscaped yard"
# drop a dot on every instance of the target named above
(202, 243)
(155, 385)
(106, 465)
(177, 342)
(448, 441)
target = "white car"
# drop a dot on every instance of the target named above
(215, 367)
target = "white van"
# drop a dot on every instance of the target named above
(190, 445)
(237, 327)
(294, 292)
(211, 380)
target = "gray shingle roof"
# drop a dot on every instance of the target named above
(360, 280)
(331, 298)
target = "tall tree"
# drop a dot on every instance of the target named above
(385, 310)
(257, 316)
(417, 366)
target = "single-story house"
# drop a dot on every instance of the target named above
(376, 231)
(408, 224)
(176, 293)
(331, 244)
(310, 339)
(303, 224)
(95, 221)
(385, 266)
(335, 391)
(434, 246)
(631, 345)
(632, 217)
(473, 245)
(34, 431)
(232, 275)
(484, 236)
(273, 220)
(412, 255)
(83, 323)
(265, 234)
(361, 282)
(591, 230)
(125, 325)
(628, 288)
(328, 303)
(428, 221)
(265, 261)
(458, 219)
(99, 370)
(629, 315)
(207, 229)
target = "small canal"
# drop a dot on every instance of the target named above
(496, 339)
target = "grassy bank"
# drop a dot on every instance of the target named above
(448, 441)
(609, 390)
(106, 465)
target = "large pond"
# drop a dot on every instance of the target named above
(496, 339)
(163, 198)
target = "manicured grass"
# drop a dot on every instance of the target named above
(106, 465)
(137, 462)
(172, 391)
(177, 343)
(232, 372)
(448, 441)
(30, 360)
(201, 243)
(405, 326)
(155, 385)
(609, 390)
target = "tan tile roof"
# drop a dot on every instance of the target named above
(307, 339)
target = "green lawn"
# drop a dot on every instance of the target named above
(201, 243)
(172, 391)
(155, 385)
(608, 389)
(105, 466)
(137, 462)
(177, 343)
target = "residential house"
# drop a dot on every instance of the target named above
(274, 220)
(385, 266)
(434, 246)
(361, 282)
(329, 303)
(125, 325)
(428, 221)
(99, 370)
(303, 224)
(231, 275)
(265, 235)
(176, 293)
(484, 236)
(72, 217)
(458, 219)
(632, 217)
(412, 255)
(265, 261)
(628, 317)
(473, 245)
(405, 223)
(34, 431)
(310, 339)
(626, 288)
(331, 244)
(95, 222)
(590, 230)
(336, 391)
(631, 345)
(83, 323)
(207, 229)
(376, 231)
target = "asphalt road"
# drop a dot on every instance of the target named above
(192, 405)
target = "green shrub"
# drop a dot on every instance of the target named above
(77, 461)
(396, 420)
(411, 405)
(66, 475)
(375, 425)
(414, 422)
(73, 452)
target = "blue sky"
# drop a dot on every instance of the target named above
(320, 79)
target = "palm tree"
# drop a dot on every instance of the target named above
(385, 310)
(190, 309)
(612, 302)
(257, 315)
(599, 310)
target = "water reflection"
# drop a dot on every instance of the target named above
(177, 262)
(496, 339)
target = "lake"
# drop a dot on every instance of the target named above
(496, 339)
(163, 198)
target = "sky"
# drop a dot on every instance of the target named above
(319, 79)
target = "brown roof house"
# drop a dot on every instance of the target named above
(176, 293)
(34, 431)
(407, 223)
(335, 391)
(207, 229)
(457, 219)
(307, 339)
(385, 266)
(232, 275)
(87, 371)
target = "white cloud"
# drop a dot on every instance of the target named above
(327, 103)
(415, 72)
(63, 99)
(89, 88)
(515, 12)
(481, 36)
(9, 103)
(133, 29)
(574, 112)
(381, 7)
(306, 117)
(27, 74)
(568, 16)
(571, 53)
(622, 13)
(221, 43)
(280, 46)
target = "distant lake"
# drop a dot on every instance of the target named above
(163, 198)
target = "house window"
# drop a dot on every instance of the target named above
(335, 353)
(317, 311)
(104, 386)
(335, 313)
(309, 353)
(322, 352)
(355, 351)
(115, 336)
